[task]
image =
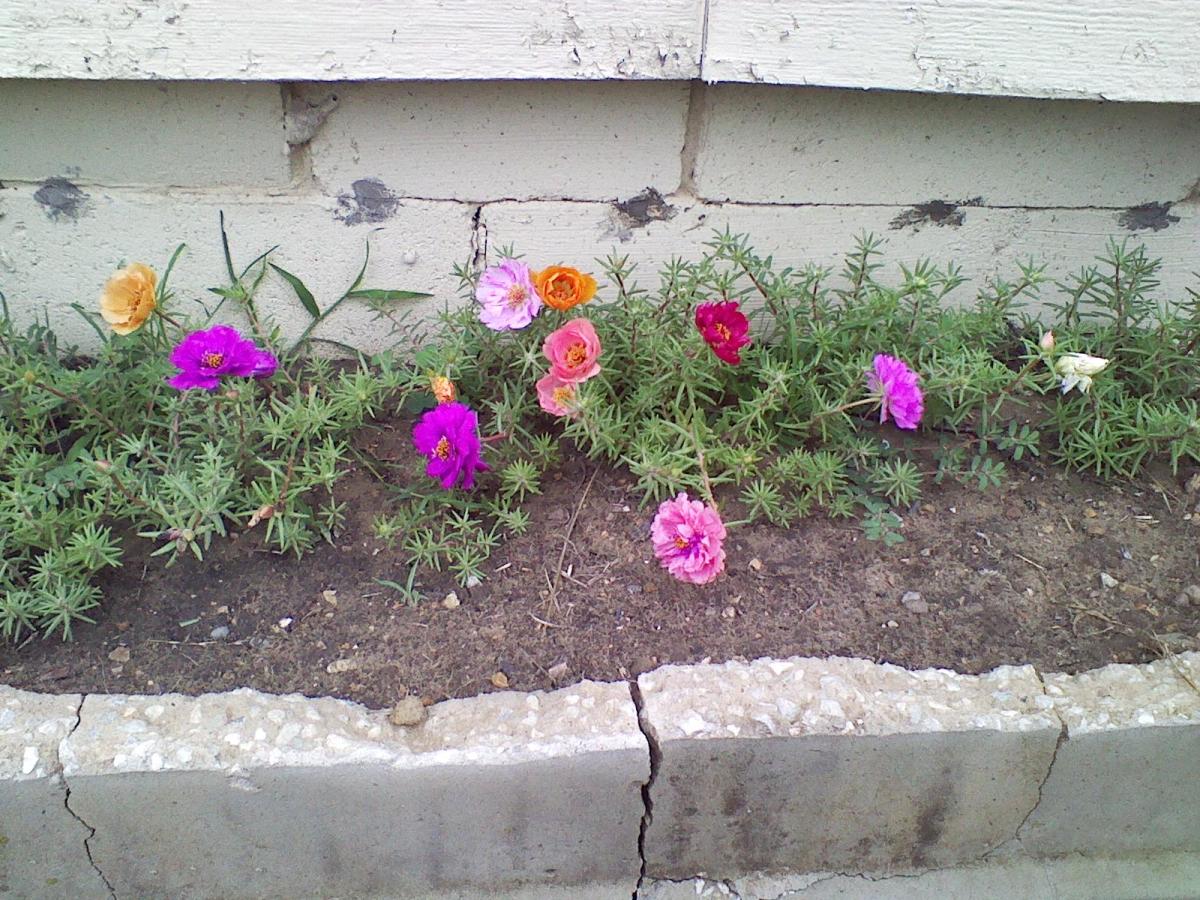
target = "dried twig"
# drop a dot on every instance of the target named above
(552, 597)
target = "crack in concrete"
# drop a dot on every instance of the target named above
(652, 747)
(87, 841)
(1063, 737)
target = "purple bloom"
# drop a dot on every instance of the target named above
(508, 301)
(448, 435)
(204, 356)
(265, 364)
(899, 395)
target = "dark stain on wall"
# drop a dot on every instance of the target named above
(369, 201)
(61, 199)
(1148, 216)
(644, 208)
(935, 212)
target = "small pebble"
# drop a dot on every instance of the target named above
(219, 633)
(409, 711)
(913, 602)
(756, 564)
(1107, 580)
(473, 582)
(451, 601)
(1189, 596)
(120, 655)
(286, 622)
(339, 666)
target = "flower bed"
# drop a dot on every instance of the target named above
(551, 483)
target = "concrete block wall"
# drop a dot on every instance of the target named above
(797, 773)
(96, 173)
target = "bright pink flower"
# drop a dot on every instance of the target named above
(556, 396)
(899, 395)
(204, 357)
(725, 328)
(573, 351)
(507, 298)
(448, 435)
(687, 536)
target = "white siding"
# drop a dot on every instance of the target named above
(1102, 49)
(335, 40)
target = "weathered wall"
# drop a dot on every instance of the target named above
(95, 173)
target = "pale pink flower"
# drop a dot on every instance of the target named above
(573, 351)
(556, 396)
(687, 536)
(899, 396)
(507, 298)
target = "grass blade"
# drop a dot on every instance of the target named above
(306, 298)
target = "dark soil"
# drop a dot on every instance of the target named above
(1011, 575)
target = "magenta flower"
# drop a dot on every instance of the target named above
(899, 396)
(724, 328)
(448, 435)
(507, 298)
(687, 537)
(203, 357)
(265, 364)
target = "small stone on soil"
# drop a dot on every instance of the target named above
(473, 582)
(451, 601)
(1189, 596)
(342, 665)
(120, 655)
(409, 711)
(756, 564)
(913, 603)
(1107, 580)
(558, 672)
(500, 680)
(219, 633)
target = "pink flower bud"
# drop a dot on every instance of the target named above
(1047, 342)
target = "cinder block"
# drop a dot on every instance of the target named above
(814, 145)
(1128, 779)
(985, 242)
(48, 260)
(809, 765)
(187, 134)
(42, 852)
(248, 795)
(502, 139)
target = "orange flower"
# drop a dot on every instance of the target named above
(443, 388)
(562, 287)
(128, 298)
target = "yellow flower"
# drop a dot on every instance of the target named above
(128, 298)
(443, 388)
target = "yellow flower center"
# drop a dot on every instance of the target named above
(723, 331)
(212, 360)
(680, 542)
(576, 354)
(442, 450)
(564, 395)
(517, 295)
